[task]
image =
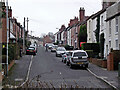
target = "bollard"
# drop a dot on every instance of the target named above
(119, 69)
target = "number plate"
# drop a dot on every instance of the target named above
(31, 51)
(79, 63)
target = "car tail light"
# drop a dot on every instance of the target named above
(28, 50)
(33, 50)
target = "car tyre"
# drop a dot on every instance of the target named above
(86, 66)
(67, 63)
(71, 66)
(56, 55)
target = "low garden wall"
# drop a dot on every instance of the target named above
(111, 63)
(98, 62)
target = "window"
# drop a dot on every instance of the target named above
(116, 24)
(109, 44)
(116, 41)
(79, 54)
(110, 27)
(102, 20)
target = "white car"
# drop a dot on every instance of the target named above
(53, 49)
(79, 58)
(60, 51)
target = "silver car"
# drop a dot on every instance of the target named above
(79, 58)
(60, 51)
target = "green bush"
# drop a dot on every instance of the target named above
(91, 46)
(11, 52)
(93, 49)
(67, 47)
(90, 53)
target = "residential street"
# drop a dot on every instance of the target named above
(51, 69)
(65, 44)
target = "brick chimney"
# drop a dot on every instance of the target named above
(10, 12)
(81, 14)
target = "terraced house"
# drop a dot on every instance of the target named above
(105, 23)
(15, 35)
(113, 27)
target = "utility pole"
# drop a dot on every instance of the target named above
(24, 36)
(27, 23)
(7, 35)
(27, 28)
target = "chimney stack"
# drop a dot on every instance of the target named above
(81, 13)
(10, 12)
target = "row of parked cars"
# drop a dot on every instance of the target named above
(71, 58)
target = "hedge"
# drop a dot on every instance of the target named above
(13, 52)
(67, 47)
(91, 46)
(93, 49)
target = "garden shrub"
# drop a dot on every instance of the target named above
(93, 48)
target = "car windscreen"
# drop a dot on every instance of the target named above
(79, 54)
(60, 49)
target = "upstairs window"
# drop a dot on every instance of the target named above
(116, 41)
(116, 24)
(101, 20)
(110, 27)
(109, 44)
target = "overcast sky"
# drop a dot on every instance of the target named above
(47, 15)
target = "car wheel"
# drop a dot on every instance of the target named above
(71, 66)
(86, 66)
(67, 63)
(56, 55)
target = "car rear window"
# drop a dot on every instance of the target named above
(31, 48)
(79, 54)
(61, 49)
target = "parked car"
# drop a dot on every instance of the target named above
(69, 57)
(53, 49)
(31, 51)
(60, 51)
(34, 46)
(50, 45)
(65, 56)
(79, 58)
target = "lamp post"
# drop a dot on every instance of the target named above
(7, 35)
(24, 36)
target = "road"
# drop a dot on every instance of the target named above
(51, 70)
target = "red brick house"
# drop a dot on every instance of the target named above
(46, 39)
(75, 27)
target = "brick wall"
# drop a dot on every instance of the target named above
(98, 62)
(110, 65)
(4, 30)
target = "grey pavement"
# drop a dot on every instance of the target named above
(18, 72)
(109, 76)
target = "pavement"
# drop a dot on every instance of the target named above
(19, 72)
(109, 77)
